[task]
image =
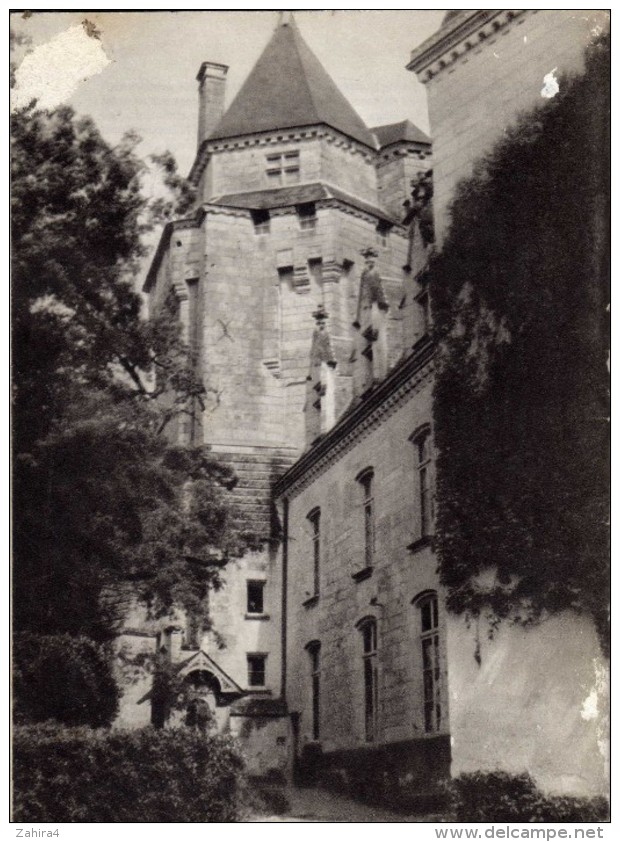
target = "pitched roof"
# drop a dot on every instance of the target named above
(288, 87)
(259, 707)
(395, 132)
(281, 197)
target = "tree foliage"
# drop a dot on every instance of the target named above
(520, 291)
(64, 678)
(105, 508)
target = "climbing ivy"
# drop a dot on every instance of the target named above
(520, 291)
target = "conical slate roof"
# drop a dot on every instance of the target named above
(288, 87)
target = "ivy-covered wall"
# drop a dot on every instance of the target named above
(519, 298)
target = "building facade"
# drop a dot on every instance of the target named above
(292, 187)
(300, 279)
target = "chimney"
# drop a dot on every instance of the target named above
(212, 87)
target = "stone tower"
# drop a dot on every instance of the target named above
(292, 186)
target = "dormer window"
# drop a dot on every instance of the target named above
(262, 221)
(307, 216)
(283, 168)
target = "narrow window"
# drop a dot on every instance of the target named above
(424, 304)
(307, 216)
(371, 690)
(274, 170)
(315, 524)
(423, 452)
(366, 481)
(431, 668)
(291, 168)
(314, 651)
(262, 221)
(255, 603)
(256, 670)
(383, 233)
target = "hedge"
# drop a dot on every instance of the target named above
(82, 775)
(500, 797)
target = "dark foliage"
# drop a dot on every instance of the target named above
(68, 679)
(519, 293)
(500, 797)
(104, 508)
(81, 775)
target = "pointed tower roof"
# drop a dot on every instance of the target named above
(288, 87)
(397, 132)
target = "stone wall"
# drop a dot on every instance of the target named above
(258, 296)
(396, 167)
(237, 633)
(475, 97)
(398, 576)
(324, 156)
(536, 702)
(134, 683)
(266, 745)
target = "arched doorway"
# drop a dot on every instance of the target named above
(200, 697)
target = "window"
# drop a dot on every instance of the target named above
(307, 216)
(262, 221)
(383, 233)
(365, 479)
(256, 603)
(424, 304)
(431, 667)
(283, 169)
(314, 651)
(315, 524)
(423, 455)
(256, 670)
(368, 630)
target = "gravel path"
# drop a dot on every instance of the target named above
(308, 804)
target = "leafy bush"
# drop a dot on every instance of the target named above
(81, 775)
(498, 796)
(65, 678)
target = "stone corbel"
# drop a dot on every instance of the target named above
(301, 279)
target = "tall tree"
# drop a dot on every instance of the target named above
(104, 506)
(520, 292)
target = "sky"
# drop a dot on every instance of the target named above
(149, 84)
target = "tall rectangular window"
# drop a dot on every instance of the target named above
(256, 670)
(424, 468)
(371, 688)
(314, 518)
(314, 651)
(366, 481)
(255, 594)
(431, 666)
(424, 304)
